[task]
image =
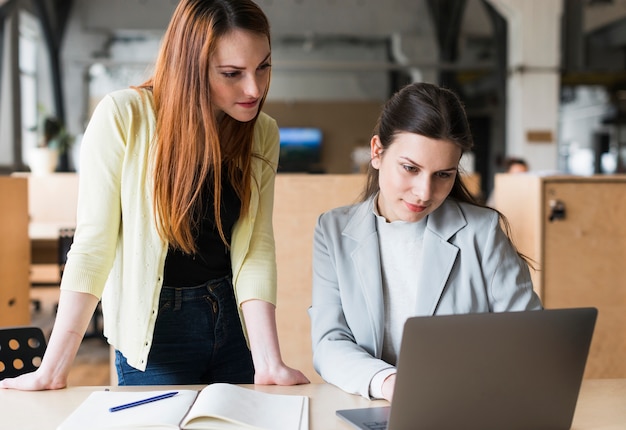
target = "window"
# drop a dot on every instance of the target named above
(29, 42)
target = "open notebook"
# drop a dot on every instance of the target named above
(513, 370)
(217, 406)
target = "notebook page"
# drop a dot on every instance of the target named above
(94, 412)
(237, 407)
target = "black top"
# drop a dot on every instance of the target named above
(212, 260)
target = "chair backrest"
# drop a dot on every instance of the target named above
(66, 238)
(21, 350)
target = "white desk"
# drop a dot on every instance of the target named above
(601, 405)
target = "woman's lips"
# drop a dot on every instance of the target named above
(415, 208)
(249, 104)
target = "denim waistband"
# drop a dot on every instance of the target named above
(218, 288)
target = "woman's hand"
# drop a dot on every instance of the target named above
(282, 375)
(73, 315)
(269, 368)
(388, 385)
(34, 381)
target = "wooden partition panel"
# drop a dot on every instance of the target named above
(580, 250)
(585, 256)
(299, 200)
(517, 197)
(14, 253)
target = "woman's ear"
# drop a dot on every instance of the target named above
(376, 151)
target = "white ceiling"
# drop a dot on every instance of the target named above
(369, 18)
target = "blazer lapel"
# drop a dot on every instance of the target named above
(366, 263)
(438, 255)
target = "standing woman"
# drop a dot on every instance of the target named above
(174, 222)
(417, 245)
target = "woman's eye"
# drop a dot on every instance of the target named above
(444, 175)
(409, 168)
(265, 66)
(230, 74)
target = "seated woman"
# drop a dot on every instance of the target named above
(417, 244)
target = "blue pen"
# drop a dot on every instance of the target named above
(143, 402)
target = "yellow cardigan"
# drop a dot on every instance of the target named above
(117, 254)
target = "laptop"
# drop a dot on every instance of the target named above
(511, 370)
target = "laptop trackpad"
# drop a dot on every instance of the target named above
(366, 418)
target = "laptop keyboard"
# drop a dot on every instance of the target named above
(376, 425)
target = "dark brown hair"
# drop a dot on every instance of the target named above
(430, 111)
(436, 113)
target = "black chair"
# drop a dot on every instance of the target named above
(21, 350)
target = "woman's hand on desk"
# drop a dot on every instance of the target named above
(282, 375)
(29, 382)
(269, 368)
(73, 316)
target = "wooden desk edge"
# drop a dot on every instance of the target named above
(600, 404)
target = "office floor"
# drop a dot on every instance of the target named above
(91, 366)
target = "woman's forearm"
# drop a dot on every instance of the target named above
(269, 368)
(260, 318)
(73, 315)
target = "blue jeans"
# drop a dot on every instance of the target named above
(198, 339)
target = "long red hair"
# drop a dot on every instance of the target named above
(190, 146)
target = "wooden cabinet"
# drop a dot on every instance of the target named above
(575, 229)
(14, 253)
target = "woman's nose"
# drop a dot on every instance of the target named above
(252, 86)
(422, 188)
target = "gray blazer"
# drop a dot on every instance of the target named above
(470, 267)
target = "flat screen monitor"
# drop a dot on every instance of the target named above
(300, 149)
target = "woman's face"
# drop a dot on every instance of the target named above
(239, 74)
(416, 174)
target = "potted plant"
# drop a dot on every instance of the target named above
(52, 149)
